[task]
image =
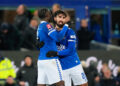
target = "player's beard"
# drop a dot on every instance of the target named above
(60, 25)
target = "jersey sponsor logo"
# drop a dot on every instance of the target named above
(61, 47)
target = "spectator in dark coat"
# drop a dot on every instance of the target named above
(35, 16)
(118, 78)
(21, 20)
(10, 82)
(28, 73)
(84, 36)
(55, 8)
(107, 79)
(9, 37)
(29, 41)
(92, 74)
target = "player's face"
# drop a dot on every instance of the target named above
(60, 20)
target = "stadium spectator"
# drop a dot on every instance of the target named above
(9, 37)
(10, 82)
(6, 68)
(30, 35)
(118, 78)
(92, 74)
(107, 79)
(84, 36)
(21, 20)
(104, 68)
(28, 73)
(55, 8)
(35, 16)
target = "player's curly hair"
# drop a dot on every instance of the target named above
(42, 13)
(60, 12)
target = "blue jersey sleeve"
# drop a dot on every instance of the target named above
(53, 33)
(44, 27)
(56, 35)
(71, 45)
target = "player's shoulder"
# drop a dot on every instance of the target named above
(43, 23)
(46, 25)
(71, 31)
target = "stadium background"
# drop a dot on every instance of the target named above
(106, 12)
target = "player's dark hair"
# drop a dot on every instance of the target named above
(42, 13)
(60, 12)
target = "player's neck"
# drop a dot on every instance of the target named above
(58, 28)
(45, 20)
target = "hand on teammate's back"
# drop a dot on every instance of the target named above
(39, 44)
(52, 54)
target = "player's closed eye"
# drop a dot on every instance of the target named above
(64, 17)
(60, 16)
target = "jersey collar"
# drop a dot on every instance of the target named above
(42, 21)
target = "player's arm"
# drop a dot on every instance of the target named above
(71, 45)
(55, 35)
(70, 48)
(65, 52)
(39, 44)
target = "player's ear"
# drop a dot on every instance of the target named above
(55, 19)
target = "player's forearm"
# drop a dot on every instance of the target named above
(70, 49)
(64, 52)
(62, 33)
(53, 34)
(58, 36)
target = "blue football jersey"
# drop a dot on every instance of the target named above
(67, 50)
(49, 36)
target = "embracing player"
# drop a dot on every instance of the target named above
(49, 69)
(69, 59)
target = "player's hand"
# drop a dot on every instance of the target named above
(66, 25)
(39, 44)
(52, 54)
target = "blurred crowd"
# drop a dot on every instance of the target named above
(22, 33)
(102, 78)
(27, 74)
